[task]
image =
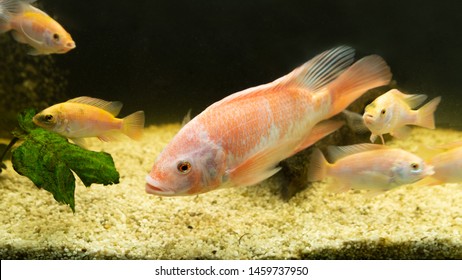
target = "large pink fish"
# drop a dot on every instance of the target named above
(239, 140)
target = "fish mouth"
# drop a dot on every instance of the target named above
(368, 118)
(151, 188)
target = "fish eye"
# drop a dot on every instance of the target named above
(415, 166)
(184, 167)
(48, 118)
(56, 37)
(383, 111)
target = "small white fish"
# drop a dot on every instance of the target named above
(392, 113)
(368, 167)
(83, 117)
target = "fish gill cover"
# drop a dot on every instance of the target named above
(48, 160)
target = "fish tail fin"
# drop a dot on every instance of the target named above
(133, 125)
(425, 115)
(8, 8)
(318, 167)
(367, 73)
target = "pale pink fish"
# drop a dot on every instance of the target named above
(84, 117)
(448, 164)
(392, 113)
(372, 167)
(239, 140)
(31, 26)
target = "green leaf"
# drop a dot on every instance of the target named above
(47, 159)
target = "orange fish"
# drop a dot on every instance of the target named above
(239, 140)
(83, 117)
(372, 167)
(32, 26)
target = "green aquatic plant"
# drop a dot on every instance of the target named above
(49, 160)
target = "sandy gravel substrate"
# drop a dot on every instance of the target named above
(123, 222)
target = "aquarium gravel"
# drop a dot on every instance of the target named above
(123, 222)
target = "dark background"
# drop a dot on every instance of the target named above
(166, 57)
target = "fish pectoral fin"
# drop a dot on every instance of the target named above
(337, 187)
(261, 165)
(18, 37)
(318, 132)
(33, 51)
(81, 142)
(402, 132)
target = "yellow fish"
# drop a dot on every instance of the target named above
(372, 167)
(34, 27)
(392, 113)
(83, 117)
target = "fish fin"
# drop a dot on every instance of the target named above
(367, 73)
(34, 52)
(261, 165)
(318, 132)
(81, 142)
(313, 75)
(110, 136)
(381, 138)
(374, 193)
(19, 37)
(338, 187)
(318, 166)
(449, 146)
(412, 100)
(373, 137)
(8, 8)
(425, 115)
(133, 125)
(113, 107)
(322, 69)
(355, 122)
(401, 132)
(186, 118)
(427, 181)
(338, 152)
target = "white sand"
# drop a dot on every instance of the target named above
(122, 221)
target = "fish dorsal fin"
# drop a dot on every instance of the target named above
(113, 107)
(322, 69)
(412, 100)
(313, 75)
(338, 152)
(9, 8)
(186, 118)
